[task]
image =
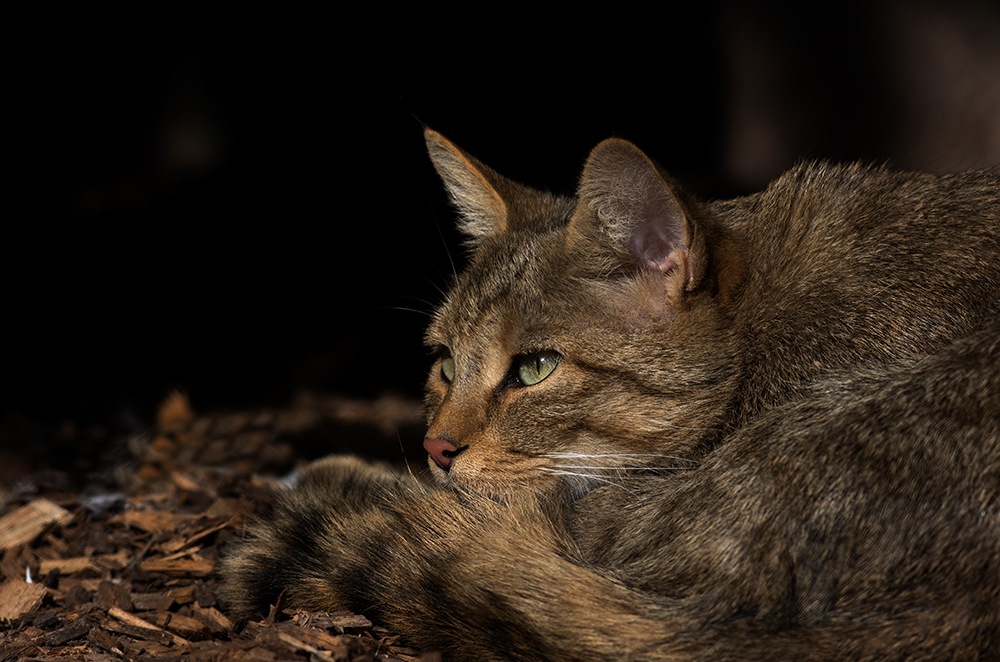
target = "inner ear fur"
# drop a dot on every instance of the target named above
(489, 203)
(636, 211)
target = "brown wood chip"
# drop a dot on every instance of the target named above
(155, 521)
(179, 567)
(151, 601)
(347, 620)
(22, 525)
(182, 595)
(215, 619)
(143, 633)
(66, 566)
(102, 639)
(134, 580)
(185, 626)
(68, 632)
(113, 594)
(137, 622)
(76, 564)
(19, 597)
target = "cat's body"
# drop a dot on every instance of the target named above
(767, 427)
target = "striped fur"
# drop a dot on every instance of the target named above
(773, 431)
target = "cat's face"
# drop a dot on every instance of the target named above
(561, 366)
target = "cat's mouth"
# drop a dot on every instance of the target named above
(460, 467)
(568, 474)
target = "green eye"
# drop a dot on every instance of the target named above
(448, 369)
(533, 368)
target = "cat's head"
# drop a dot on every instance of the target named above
(580, 346)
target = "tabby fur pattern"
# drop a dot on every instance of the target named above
(765, 428)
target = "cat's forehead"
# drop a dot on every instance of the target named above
(511, 282)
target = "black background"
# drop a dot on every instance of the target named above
(245, 208)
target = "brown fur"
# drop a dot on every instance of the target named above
(773, 431)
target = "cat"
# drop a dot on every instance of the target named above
(755, 429)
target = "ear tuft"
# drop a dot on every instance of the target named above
(637, 212)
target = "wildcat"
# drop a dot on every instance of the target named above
(763, 428)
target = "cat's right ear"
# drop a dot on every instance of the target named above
(489, 204)
(472, 186)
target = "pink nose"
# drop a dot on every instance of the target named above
(441, 451)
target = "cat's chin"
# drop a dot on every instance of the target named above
(497, 486)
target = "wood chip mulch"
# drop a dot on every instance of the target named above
(128, 574)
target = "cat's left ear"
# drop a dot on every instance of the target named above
(638, 212)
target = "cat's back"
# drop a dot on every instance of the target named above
(819, 211)
(850, 265)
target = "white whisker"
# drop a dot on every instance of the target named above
(616, 455)
(407, 462)
(613, 468)
(409, 310)
(587, 470)
(677, 427)
(587, 476)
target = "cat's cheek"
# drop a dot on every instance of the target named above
(434, 395)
